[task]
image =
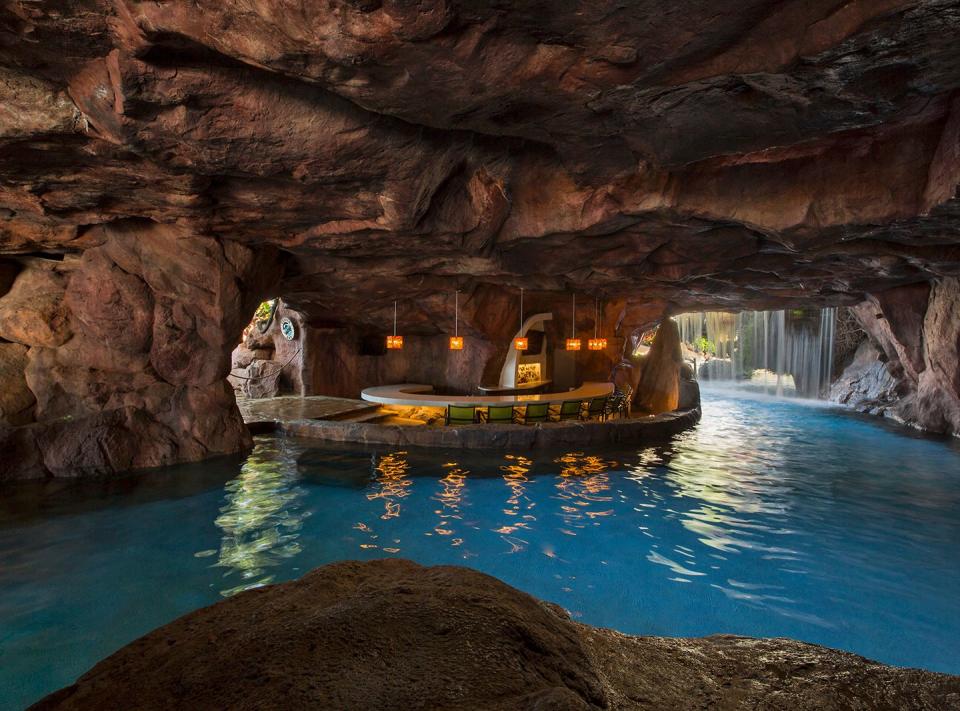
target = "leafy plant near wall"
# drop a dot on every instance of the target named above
(263, 316)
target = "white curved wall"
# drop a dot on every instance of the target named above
(508, 374)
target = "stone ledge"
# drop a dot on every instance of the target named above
(391, 634)
(486, 436)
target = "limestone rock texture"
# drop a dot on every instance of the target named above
(391, 634)
(348, 153)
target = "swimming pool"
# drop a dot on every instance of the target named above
(770, 518)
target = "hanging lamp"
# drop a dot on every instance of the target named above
(456, 341)
(596, 343)
(521, 343)
(573, 343)
(394, 342)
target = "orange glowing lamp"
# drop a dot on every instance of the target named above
(394, 342)
(456, 340)
(521, 343)
(573, 343)
(596, 343)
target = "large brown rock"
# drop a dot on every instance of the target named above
(110, 305)
(129, 352)
(658, 389)
(866, 384)
(33, 312)
(34, 105)
(16, 400)
(909, 368)
(391, 634)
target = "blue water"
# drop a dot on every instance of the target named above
(770, 518)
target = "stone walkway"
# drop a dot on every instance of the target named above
(285, 409)
(572, 433)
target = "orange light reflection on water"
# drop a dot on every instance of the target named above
(585, 485)
(391, 484)
(518, 504)
(450, 496)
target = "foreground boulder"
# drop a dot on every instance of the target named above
(391, 634)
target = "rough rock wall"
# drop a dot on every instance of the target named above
(682, 156)
(909, 369)
(124, 352)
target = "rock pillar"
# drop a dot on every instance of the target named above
(658, 389)
(119, 357)
(909, 369)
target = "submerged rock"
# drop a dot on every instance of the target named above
(391, 634)
(353, 470)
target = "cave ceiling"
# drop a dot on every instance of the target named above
(692, 154)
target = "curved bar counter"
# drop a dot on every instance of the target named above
(414, 395)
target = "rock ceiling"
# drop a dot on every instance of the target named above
(688, 154)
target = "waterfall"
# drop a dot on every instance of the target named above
(783, 353)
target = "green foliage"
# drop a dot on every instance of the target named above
(703, 345)
(263, 311)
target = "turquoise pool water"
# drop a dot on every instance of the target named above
(770, 518)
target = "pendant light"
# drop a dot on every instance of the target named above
(573, 343)
(521, 343)
(394, 342)
(456, 341)
(596, 343)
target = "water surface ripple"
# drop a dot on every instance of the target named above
(770, 518)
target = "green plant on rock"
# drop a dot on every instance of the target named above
(263, 311)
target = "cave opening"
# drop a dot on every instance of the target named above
(379, 323)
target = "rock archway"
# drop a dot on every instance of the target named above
(164, 166)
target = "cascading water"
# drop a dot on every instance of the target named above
(779, 352)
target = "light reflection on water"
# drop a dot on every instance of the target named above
(758, 523)
(768, 519)
(261, 519)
